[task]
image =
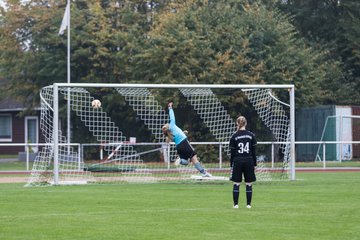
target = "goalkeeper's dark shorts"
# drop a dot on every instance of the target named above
(242, 168)
(185, 150)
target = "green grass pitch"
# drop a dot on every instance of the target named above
(318, 206)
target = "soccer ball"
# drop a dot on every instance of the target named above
(96, 104)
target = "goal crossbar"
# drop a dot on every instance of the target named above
(136, 85)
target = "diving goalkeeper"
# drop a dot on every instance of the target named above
(183, 146)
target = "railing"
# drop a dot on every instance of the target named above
(81, 147)
(323, 144)
(28, 149)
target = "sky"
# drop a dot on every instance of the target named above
(1, 3)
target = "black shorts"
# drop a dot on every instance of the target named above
(241, 168)
(185, 150)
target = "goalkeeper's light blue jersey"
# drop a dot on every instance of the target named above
(178, 134)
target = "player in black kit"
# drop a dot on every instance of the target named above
(243, 160)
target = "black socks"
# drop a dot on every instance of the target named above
(236, 194)
(248, 194)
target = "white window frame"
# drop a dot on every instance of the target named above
(11, 125)
(35, 149)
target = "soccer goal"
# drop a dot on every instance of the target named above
(102, 148)
(340, 133)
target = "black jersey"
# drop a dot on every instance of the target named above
(242, 146)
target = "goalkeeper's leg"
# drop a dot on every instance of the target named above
(184, 162)
(199, 167)
(181, 161)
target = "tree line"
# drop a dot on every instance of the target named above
(312, 44)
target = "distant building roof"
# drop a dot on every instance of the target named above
(11, 105)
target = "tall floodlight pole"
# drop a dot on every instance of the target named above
(68, 76)
(65, 24)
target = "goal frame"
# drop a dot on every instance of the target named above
(56, 87)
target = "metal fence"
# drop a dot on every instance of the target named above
(267, 153)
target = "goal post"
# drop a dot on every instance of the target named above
(136, 162)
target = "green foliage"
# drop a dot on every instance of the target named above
(193, 41)
(232, 42)
(332, 26)
(312, 44)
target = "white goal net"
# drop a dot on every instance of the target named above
(102, 148)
